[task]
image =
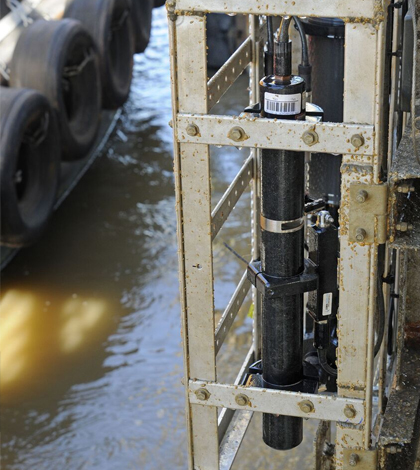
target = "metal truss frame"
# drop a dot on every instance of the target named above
(214, 439)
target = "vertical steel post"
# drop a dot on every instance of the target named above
(192, 178)
(364, 59)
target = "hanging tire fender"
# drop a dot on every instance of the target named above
(110, 24)
(142, 23)
(59, 59)
(29, 165)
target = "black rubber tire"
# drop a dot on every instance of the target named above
(142, 23)
(159, 3)
(116, 48)
(29, 165)
(42, 60)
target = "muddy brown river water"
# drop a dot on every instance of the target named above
(91, 356)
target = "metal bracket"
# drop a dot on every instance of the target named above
(364, 459)
(272, 287)
(368, 213)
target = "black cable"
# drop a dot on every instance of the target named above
(390, 348)
(381, 319)
(391, 311)
(269, 55)
(322, 356)
(235, 253)
(283, 31)
(304, 41)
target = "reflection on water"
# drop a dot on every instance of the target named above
(38, 337)
(91, 357)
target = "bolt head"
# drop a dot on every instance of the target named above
(306, 406)
(192, 130)
(202, 394)
(404, 227)
(354, 460)
(361, 197)
(236, 134)
(310, 137)
(242, 399)
(357, 140)
(360, 234)
(350, 412)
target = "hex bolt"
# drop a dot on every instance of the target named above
(404, 227)
(242, 399)
(202, 394)
(236, 134)
(362, 195)
(360, 234)
(306, 406)
(357, 140)
(310, 138)
(350, 412)
(192, 130)
(354, 459)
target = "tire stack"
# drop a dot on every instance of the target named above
(62, 75)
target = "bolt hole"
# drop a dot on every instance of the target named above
(233, 69)
(226, 79)
(199, 266)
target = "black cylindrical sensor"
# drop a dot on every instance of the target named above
(282, 200)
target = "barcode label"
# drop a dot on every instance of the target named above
(327, 304)
(282, 104)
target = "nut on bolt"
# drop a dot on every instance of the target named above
(354, 459)
(362, 195)
(306, 406)
(404, 227)
(202, 394)
(357, 140)
(237, 134)
(241, 399)
(310, 138)
(192, 130)
(350, 412)
(360, 234)
(405, 188)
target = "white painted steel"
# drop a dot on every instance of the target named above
(364, 68)
(223, 79)
(364, 60)
(367, 9)
(279, 402)
(189, 74)
(181, 266)
(278, 133)
(259, 36)
(227, 414)
(229, 199)
(231, 311)
(230, 445)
